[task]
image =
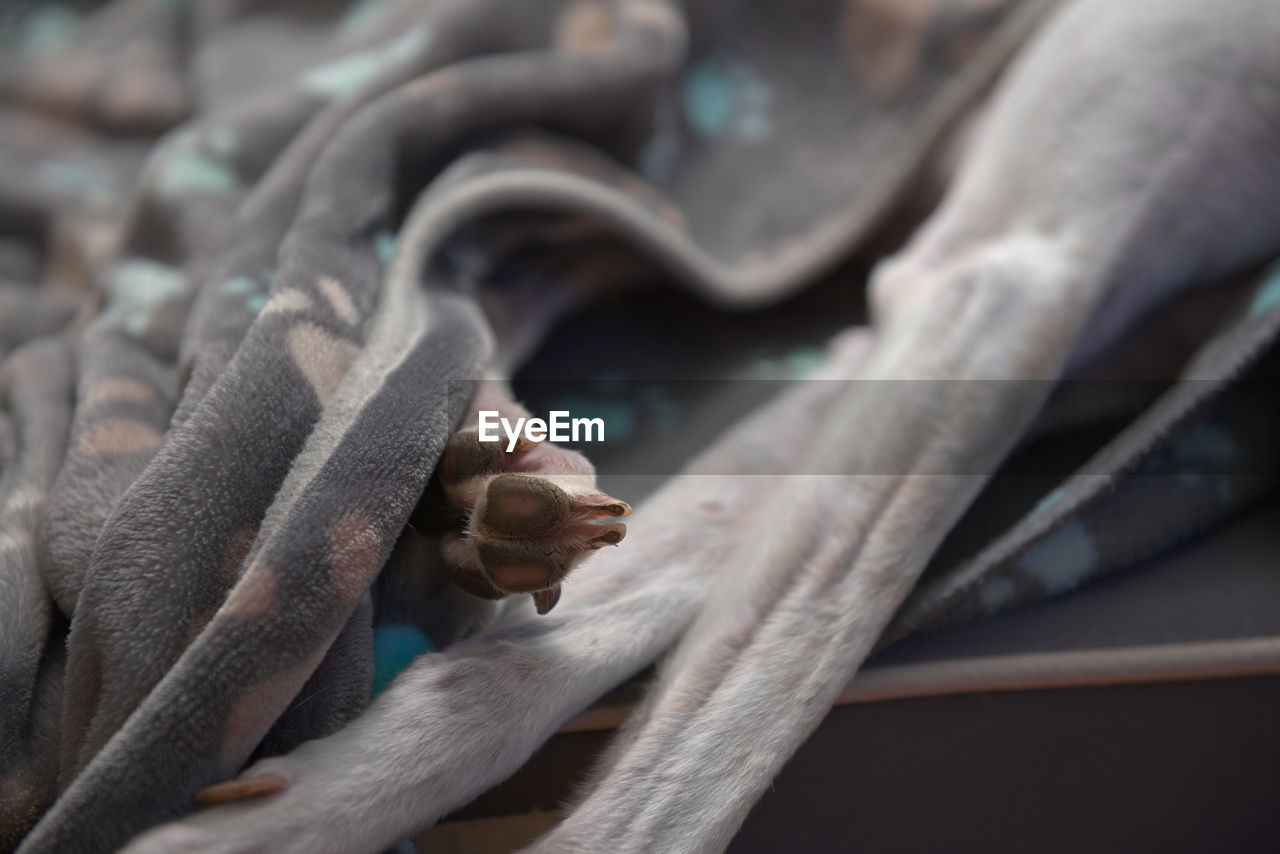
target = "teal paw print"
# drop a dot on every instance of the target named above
(723, 97)
(251, 291)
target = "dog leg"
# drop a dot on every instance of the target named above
(521, 515)
(457, 722)
(1130, 153)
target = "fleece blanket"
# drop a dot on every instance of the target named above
(244, 247)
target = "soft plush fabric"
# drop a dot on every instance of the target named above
(242, 248)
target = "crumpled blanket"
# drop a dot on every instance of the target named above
(242, 244)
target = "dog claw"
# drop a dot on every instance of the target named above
(613, 534)
(258, 786)
(545, 600)
(613, 508)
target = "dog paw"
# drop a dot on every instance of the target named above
(522, 518)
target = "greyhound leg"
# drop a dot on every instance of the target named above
(457, 722)
(522, 514)
(1097, 188)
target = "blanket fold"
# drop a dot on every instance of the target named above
(245, 249)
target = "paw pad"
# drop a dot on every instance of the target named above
(526, 517)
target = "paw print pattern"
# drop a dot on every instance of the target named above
(723, 97)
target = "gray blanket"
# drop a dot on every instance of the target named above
(243, 251)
